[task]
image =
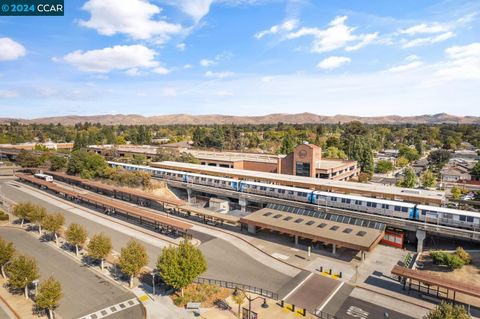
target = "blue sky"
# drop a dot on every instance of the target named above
(243, 57)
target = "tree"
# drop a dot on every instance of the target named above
(447, 311)
(53, 223)
(456, 192)
(21, 272)
(439, 158)
(409, 153)
(409, 179)
(384, 166)
(49, 294)
(23, 211)
(133, 258)
(88, 165)
(359, 149)
(288, 144)
(476, 170)
(180, 266)
(99, 247)
(37, 215)
(58, 163)
(6, 254)
(28, 159)
(402, 161)
(76, 235)
(238, 299)
(334, 152)
(428, 179)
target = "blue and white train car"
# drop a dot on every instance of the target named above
(278, 191)
(449, 217)
(367, 205)
(214, 181)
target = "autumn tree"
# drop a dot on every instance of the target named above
(447, 311)
(23, 211)
(180, 266)
(99, 247)
(428, 179)
(49, 295)
(6, 254)
(133, 258)
(37, 215)
(53, 223)
(409, 179)
(21, 271)
(76, 235)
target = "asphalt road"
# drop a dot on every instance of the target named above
(84, 291)
(225, 261)
(356, 308)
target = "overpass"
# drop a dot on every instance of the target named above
(421, 228)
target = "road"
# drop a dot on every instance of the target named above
(356, 308)
(225, 261)
(84, 291)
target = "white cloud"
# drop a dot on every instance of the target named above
(134, 18)
(425, 28)
(409, 63)
(286, 26)
(133, 72)
(336, 36)
(218, 75)
(119, 57)
(267, 78)
(333, 62)
(427, 40)
(8, 94)
(11, 50)
(224, 93)
(169, 92)
(463, 63)
(207, 62)
(181, 46)
(161, 70)
(196, 9)
(187, 66)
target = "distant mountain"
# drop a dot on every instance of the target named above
(299, 118)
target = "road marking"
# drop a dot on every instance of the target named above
(112, 309)
(144, 298)
(298, 286)
(330, 297)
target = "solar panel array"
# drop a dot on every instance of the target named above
(328, 216)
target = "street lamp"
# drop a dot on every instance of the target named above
(35, 282)
(153, 282)
(237, 291)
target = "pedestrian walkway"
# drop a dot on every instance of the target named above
(22, 308)
(112, 309)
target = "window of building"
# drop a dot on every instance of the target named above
(302, 169)
(288, 218)
(267, 214)
(322, 225)
(347, 230)
(310, 222)
(334, 227)
(361, 233)
(277, 216)
(298, 220)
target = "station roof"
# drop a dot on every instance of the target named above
(435, 280)
(111, 188)
(107, 202)
(235, 156)
(211, 214)
(380, 191)
(317, 229)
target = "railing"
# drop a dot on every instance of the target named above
(233, 285)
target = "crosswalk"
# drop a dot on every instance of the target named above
(112, 309)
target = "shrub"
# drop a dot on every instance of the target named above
(454, 262)
(3, 216)
(439, 257)
(467, 259)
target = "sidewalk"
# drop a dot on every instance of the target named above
(16, 305)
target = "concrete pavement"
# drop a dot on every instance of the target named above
(84, 291)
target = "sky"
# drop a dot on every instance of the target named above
(243, 57)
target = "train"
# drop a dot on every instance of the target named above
(45, 177)
(398, 209)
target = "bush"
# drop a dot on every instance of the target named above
(467, 259)
(439, 257)
(3, 216)
(454, 262)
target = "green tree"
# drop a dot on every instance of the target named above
(133, 258)
(36, 216)
(409, 153)
(476, 171)
(23, 211)
(180, 266)
(88, 165)
(239, 299)
(409, 179)
(456, 192)
(288, 144)
(447, 311)
(58, 163)
(428, 179)
(439, 158)
(28, 159)
(49, 295)
(76, 235)
(334, 152)
(99, 247)
(384, 166)
(6, 254)
(53, 223)
(359, 149)
(402, 161)
(21, 272)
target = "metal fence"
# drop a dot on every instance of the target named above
(233, 285)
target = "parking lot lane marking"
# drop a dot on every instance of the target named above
(102, 313)
(298, 286)
(330, 297)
